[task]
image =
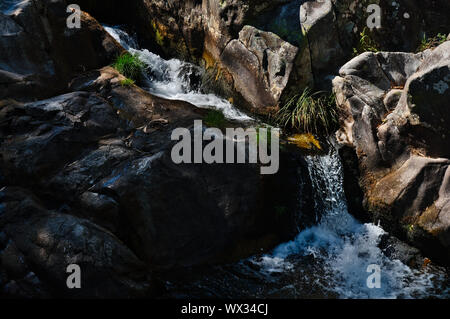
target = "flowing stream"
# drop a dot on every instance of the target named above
(345, 248)
(330, 259)
(174, 79)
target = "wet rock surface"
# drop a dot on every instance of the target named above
(39, 244)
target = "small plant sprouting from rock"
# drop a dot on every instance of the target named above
(215, 118)
(365, 44)
(130, 66)
(430, 43)
(309, 112)
(127, 82)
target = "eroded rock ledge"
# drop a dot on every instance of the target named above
(394, 117)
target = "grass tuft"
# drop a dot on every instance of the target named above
(430, 43)
(365, 44)
(215, 118)
(130, 66)
(313, 113)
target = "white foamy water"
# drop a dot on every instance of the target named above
(344, 247)
(175, 79)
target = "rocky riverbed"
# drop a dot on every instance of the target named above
(86, 175)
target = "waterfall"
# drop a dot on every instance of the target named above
(174, 79)
(344, 247)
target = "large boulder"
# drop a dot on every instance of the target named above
(95, 168)
(39, 54)
(37, 245)
(319, 27)
(261, 64)
(394, 116)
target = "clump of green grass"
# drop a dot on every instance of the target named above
(314, 113)
(215, 118)
(127, 82)
(365, 44)
(130, 66)
(429, 43)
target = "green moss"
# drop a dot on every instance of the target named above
(160, 33)
(215, 118)
(267, 137)
(127, 82)
(130, 66)
(159, 38)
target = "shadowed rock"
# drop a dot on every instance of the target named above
(39, 54)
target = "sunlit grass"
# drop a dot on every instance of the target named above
(130, 66)
(365, 43)
(308, 112)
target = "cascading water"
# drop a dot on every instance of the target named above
(327, 260)
(174, 79)
(345, 248)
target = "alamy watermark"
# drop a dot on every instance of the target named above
(74, 279)
(374, 279)
(237, 146)
(74, 19)
(374, 19)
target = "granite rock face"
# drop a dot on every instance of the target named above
(394, 116)
(264, 66)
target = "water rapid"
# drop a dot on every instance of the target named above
(345, 248)
(174, 79)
